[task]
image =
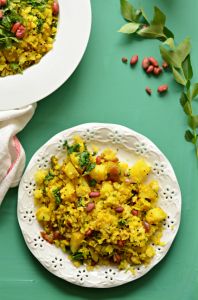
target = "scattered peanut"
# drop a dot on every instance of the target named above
(124, 59)
(135, 212)
(146, 226)
(94, 194)
(162, 88)
(148, 90)
(150, 69)
(165, 65)
(157, 70)
(134, 60)
(55, 8)
(119, 209)
(145, 63)
(90, 206)
(153, 61)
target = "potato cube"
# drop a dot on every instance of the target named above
(155, 215)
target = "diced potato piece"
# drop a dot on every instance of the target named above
(76, 240)
(154, 185)
(143, 204)
(123, 168)
(68, 192)
(155, 215)
(146, 192)
(99, 173)
(75, 160)
(139, 171)
(109, 155)
(70, 171)
(94, 255)
(40, 176)
(43, 214)
(150, 251)
(135, 260)
(38, 194)
(82, 187)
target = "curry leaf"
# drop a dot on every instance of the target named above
(175, 56)
(159, 18)
(144, 15)
(127, 10)
(194, 90)
(187, 68)
(170, 57)
(193, 121)
(156, 28)
(168, 33)
(189, 136)
(129, 28)
(183, 49)
(185, 104)
(178, 77)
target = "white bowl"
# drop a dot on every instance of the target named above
(56, 66)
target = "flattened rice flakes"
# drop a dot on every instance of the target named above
(40, 25)
(98, 209)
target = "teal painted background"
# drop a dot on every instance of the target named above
(102, 89)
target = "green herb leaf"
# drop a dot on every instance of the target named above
(185, 104)
(49, 177)
(183, 49)
(80, 202)
(90, 167)
(187, 68)
(176, 55)
(168, 33)
(189, 136)
(78, 256)
(57, 197)
(92, 182)
(122, 223)
(193, 121)
(84, 159)
(194, 92)
(127, 10)
(71, 149)
(156, 28)
(178, 76)
(129, 28)
(144, 16)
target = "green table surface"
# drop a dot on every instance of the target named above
(103, 89)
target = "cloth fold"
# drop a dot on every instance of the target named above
(12, 155)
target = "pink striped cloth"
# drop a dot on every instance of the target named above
(12, 155)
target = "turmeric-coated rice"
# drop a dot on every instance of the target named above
(98, 209)
(27, 32)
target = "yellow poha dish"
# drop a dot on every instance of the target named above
(27, 32)
(98, 209)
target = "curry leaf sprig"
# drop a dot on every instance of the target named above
(177, 57)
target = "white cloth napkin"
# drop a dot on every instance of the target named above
(12, 155)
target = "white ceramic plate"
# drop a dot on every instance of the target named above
(56, 66)
(131, 146)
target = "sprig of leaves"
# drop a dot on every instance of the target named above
(178, 57)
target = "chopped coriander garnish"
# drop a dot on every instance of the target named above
(122, 222)
(49, 176)
(78, 256)
(71, 149)
(80, 202)
(57, 197)
(92, 182)
(84, 159)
